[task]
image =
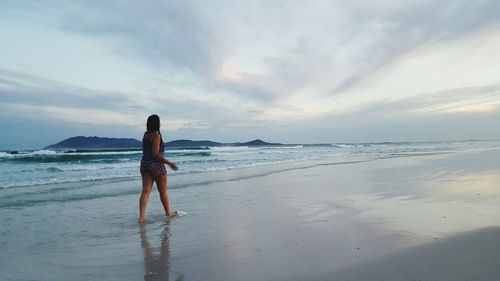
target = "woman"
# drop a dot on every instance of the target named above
(153, 168)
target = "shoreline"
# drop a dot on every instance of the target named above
(65, 168)
(133, 185)
(472, 255)
(314, 221)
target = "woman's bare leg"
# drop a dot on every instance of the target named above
(161, 183)
(147, 185)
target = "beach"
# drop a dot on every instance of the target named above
(418, 217)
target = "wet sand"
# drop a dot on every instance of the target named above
(409, 218)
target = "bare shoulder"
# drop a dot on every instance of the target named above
(151, 135)
(155, 136)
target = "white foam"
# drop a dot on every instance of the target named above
(60, 180)
(230, 148)
(106, 153)
(44, 152)
(26, 154)
(5, 154)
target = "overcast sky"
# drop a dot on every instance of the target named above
(283, 71)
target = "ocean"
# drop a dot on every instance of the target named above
(30, 169)
(39, 176)
(291, 212)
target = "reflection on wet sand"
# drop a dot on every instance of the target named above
(157, 259)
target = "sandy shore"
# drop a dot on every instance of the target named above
(409, 218)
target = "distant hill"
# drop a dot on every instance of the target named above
(91, 143)
(81, 142)
(257, 142)
(191, 143)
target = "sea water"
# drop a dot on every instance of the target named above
(43, 167)
(74, 213)
(39, 176)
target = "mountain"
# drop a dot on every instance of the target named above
(81, 142)
(191, 143)
(257, 142)
(97, 143)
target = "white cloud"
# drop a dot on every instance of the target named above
(249, 64)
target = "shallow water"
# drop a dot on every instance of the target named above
(293, 221)
(42, 167)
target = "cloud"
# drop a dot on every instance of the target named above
(383, 33)
(277, 48)
(16, 87)
(256, 65)
(461, 113)
(27, 96)
(431, 106)
(165, 33)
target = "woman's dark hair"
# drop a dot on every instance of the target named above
(153, 123)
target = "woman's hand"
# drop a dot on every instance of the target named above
(172, 166)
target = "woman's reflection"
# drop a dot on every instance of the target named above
(156, 260)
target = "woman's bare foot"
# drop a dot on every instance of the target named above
(141, 221)
(172, 214)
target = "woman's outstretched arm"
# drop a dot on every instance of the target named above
(157, 155)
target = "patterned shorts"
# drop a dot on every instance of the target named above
(155, 169)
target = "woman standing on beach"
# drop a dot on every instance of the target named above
(153, 167)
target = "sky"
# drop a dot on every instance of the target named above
(282, 71)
